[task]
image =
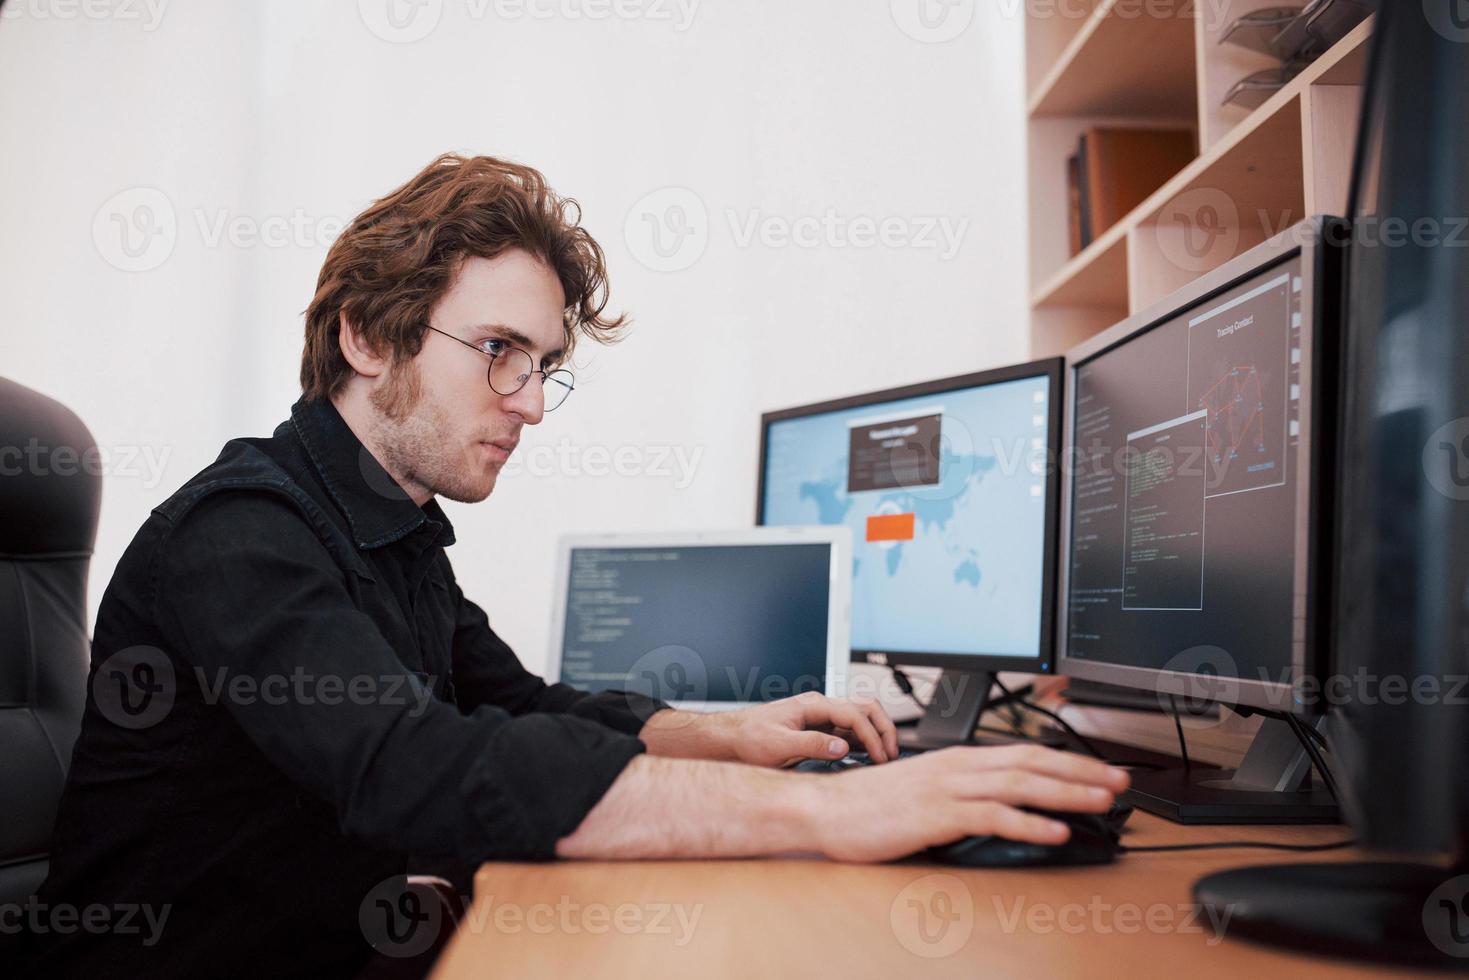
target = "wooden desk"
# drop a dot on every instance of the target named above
(808, 918)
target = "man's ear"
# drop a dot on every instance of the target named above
(357, 351)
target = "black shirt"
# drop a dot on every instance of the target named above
(289, 695)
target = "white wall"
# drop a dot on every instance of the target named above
(293, 117)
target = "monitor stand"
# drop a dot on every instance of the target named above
(1381, 912)
(953, 710)
(1272, 785)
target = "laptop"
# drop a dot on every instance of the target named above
(705, 620)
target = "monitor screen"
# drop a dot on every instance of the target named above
(715, 624)
(1183, 470)
(947, 493)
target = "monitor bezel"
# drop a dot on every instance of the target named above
(1318, 241)
(1049, 368)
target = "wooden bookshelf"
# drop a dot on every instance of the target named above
(1160, 64)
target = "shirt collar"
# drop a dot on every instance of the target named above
(377, 509)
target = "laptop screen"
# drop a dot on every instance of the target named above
(716, 623)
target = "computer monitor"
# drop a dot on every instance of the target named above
(1399, 715)
(705, 620)
(1197, 510)
(951, 496)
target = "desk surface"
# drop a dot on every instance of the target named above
(809, 917)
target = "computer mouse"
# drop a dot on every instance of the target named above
(1092, 841)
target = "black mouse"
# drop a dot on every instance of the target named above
(1093, 841)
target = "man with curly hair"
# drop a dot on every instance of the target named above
(293, 701)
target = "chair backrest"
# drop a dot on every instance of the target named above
(50, 494)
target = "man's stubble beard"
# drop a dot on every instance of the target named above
(409, 428)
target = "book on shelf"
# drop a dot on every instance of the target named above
(1116, 168)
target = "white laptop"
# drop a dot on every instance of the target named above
(705, 620)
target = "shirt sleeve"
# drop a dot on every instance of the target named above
(402, 769)
(487, 671)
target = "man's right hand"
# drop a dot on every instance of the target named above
(880, 813)
(693, 808)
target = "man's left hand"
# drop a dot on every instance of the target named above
(806, 726)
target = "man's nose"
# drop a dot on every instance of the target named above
(530, 401)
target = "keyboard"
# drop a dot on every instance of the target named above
(848, 761)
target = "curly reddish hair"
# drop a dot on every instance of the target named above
(395, 261)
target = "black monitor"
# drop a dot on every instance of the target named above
(951, 495)
(1399, 712)
(1196, 510)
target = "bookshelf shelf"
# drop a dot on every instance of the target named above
(1258, 172)
(1124, 63)
(1097, 276)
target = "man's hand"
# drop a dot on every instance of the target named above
(672, 808)
(807, 726)
(940, 796)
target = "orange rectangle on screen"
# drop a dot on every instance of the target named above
(890, 527)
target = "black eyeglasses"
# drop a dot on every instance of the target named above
(511, 368)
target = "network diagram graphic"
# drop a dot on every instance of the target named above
(1236, 415)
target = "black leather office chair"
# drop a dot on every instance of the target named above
(50, 493)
